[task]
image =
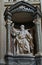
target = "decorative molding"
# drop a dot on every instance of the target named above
(28, 8)
(11, 3)
(20, 60)
(20, 0)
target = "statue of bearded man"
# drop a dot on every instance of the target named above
(23, 41)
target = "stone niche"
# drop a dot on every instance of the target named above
(23, 34)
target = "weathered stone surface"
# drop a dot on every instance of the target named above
(20, 60)
(38, 59)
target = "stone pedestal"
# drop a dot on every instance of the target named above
(20, 60)
(38, 59)
(23, 60)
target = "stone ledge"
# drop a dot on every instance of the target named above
(20, 60)
(11, 3)
(23, 60)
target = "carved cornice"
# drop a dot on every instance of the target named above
(22, 7)
(24, 0)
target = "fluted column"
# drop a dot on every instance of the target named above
(8, 18)
(38, 34)
(8, 36)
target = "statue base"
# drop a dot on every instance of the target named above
(29, 54)
(20, 60)
(23, 59)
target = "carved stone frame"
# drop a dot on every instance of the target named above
(8, 18)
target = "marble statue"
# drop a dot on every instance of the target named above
(14, 33)
(22, 40)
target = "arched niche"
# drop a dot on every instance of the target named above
(22, 13)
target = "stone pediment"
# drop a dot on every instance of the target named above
(21, 12)
(22, 3)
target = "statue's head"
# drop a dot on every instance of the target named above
(22, 27)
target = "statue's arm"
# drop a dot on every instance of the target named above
(18, 40)
(29, 35)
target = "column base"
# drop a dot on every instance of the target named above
(38, 58)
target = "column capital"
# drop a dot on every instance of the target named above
(9, 21)
(37, 20)
(7, 14)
